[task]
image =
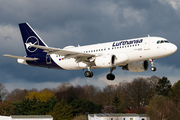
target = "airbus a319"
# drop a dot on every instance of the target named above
(130, 54)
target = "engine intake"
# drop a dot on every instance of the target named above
(137, 66)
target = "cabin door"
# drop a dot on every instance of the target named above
(48, 59)
(147, 43)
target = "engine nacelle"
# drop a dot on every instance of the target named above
(136, 66)
(105, 61)
(121, 58)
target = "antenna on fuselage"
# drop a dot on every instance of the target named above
(149, 35)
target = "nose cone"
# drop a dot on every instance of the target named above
(173, 48)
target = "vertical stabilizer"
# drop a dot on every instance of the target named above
(30, 36)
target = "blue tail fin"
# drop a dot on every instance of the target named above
(30, 36)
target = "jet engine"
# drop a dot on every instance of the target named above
(121, 58)
(137, 66)
(105, 61)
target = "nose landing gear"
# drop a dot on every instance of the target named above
(152, 65)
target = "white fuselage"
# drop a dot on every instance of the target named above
(138, 49)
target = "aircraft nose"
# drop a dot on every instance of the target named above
(173, 48)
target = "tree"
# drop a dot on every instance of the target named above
(109, 109)
(43, 95)
(90, 92)
(34, 106)
(161, 108)
(16, 95)
(108, 94)
(82, 107)
(81, 117)
(154, 81)
(3, 92)
(6, 108)
(63, 87)
(175, 94)
(138, 92)
(70, 94)
(117, 102)
(163, 86)
(62, 111)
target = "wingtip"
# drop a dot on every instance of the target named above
(6, 55)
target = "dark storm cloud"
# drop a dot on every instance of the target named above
(66, 22)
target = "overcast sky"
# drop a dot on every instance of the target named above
(71, 22)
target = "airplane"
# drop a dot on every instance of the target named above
(130, 54)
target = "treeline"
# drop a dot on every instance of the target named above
(154, 96)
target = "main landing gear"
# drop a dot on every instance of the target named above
(111, 76)
(152, 65)
(88, 73)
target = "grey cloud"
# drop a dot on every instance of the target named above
(66, 22)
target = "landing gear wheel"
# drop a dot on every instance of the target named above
(110, 76)
(153, 68)
(88, 74)
(152, 65)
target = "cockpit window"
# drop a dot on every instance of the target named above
(158, 42)
(166, 41)
(162, 41)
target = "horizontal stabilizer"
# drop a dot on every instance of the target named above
(20, 57)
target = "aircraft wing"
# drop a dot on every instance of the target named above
(66, 53)
(20, 57)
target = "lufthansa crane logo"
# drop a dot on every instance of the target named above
(32, 40)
